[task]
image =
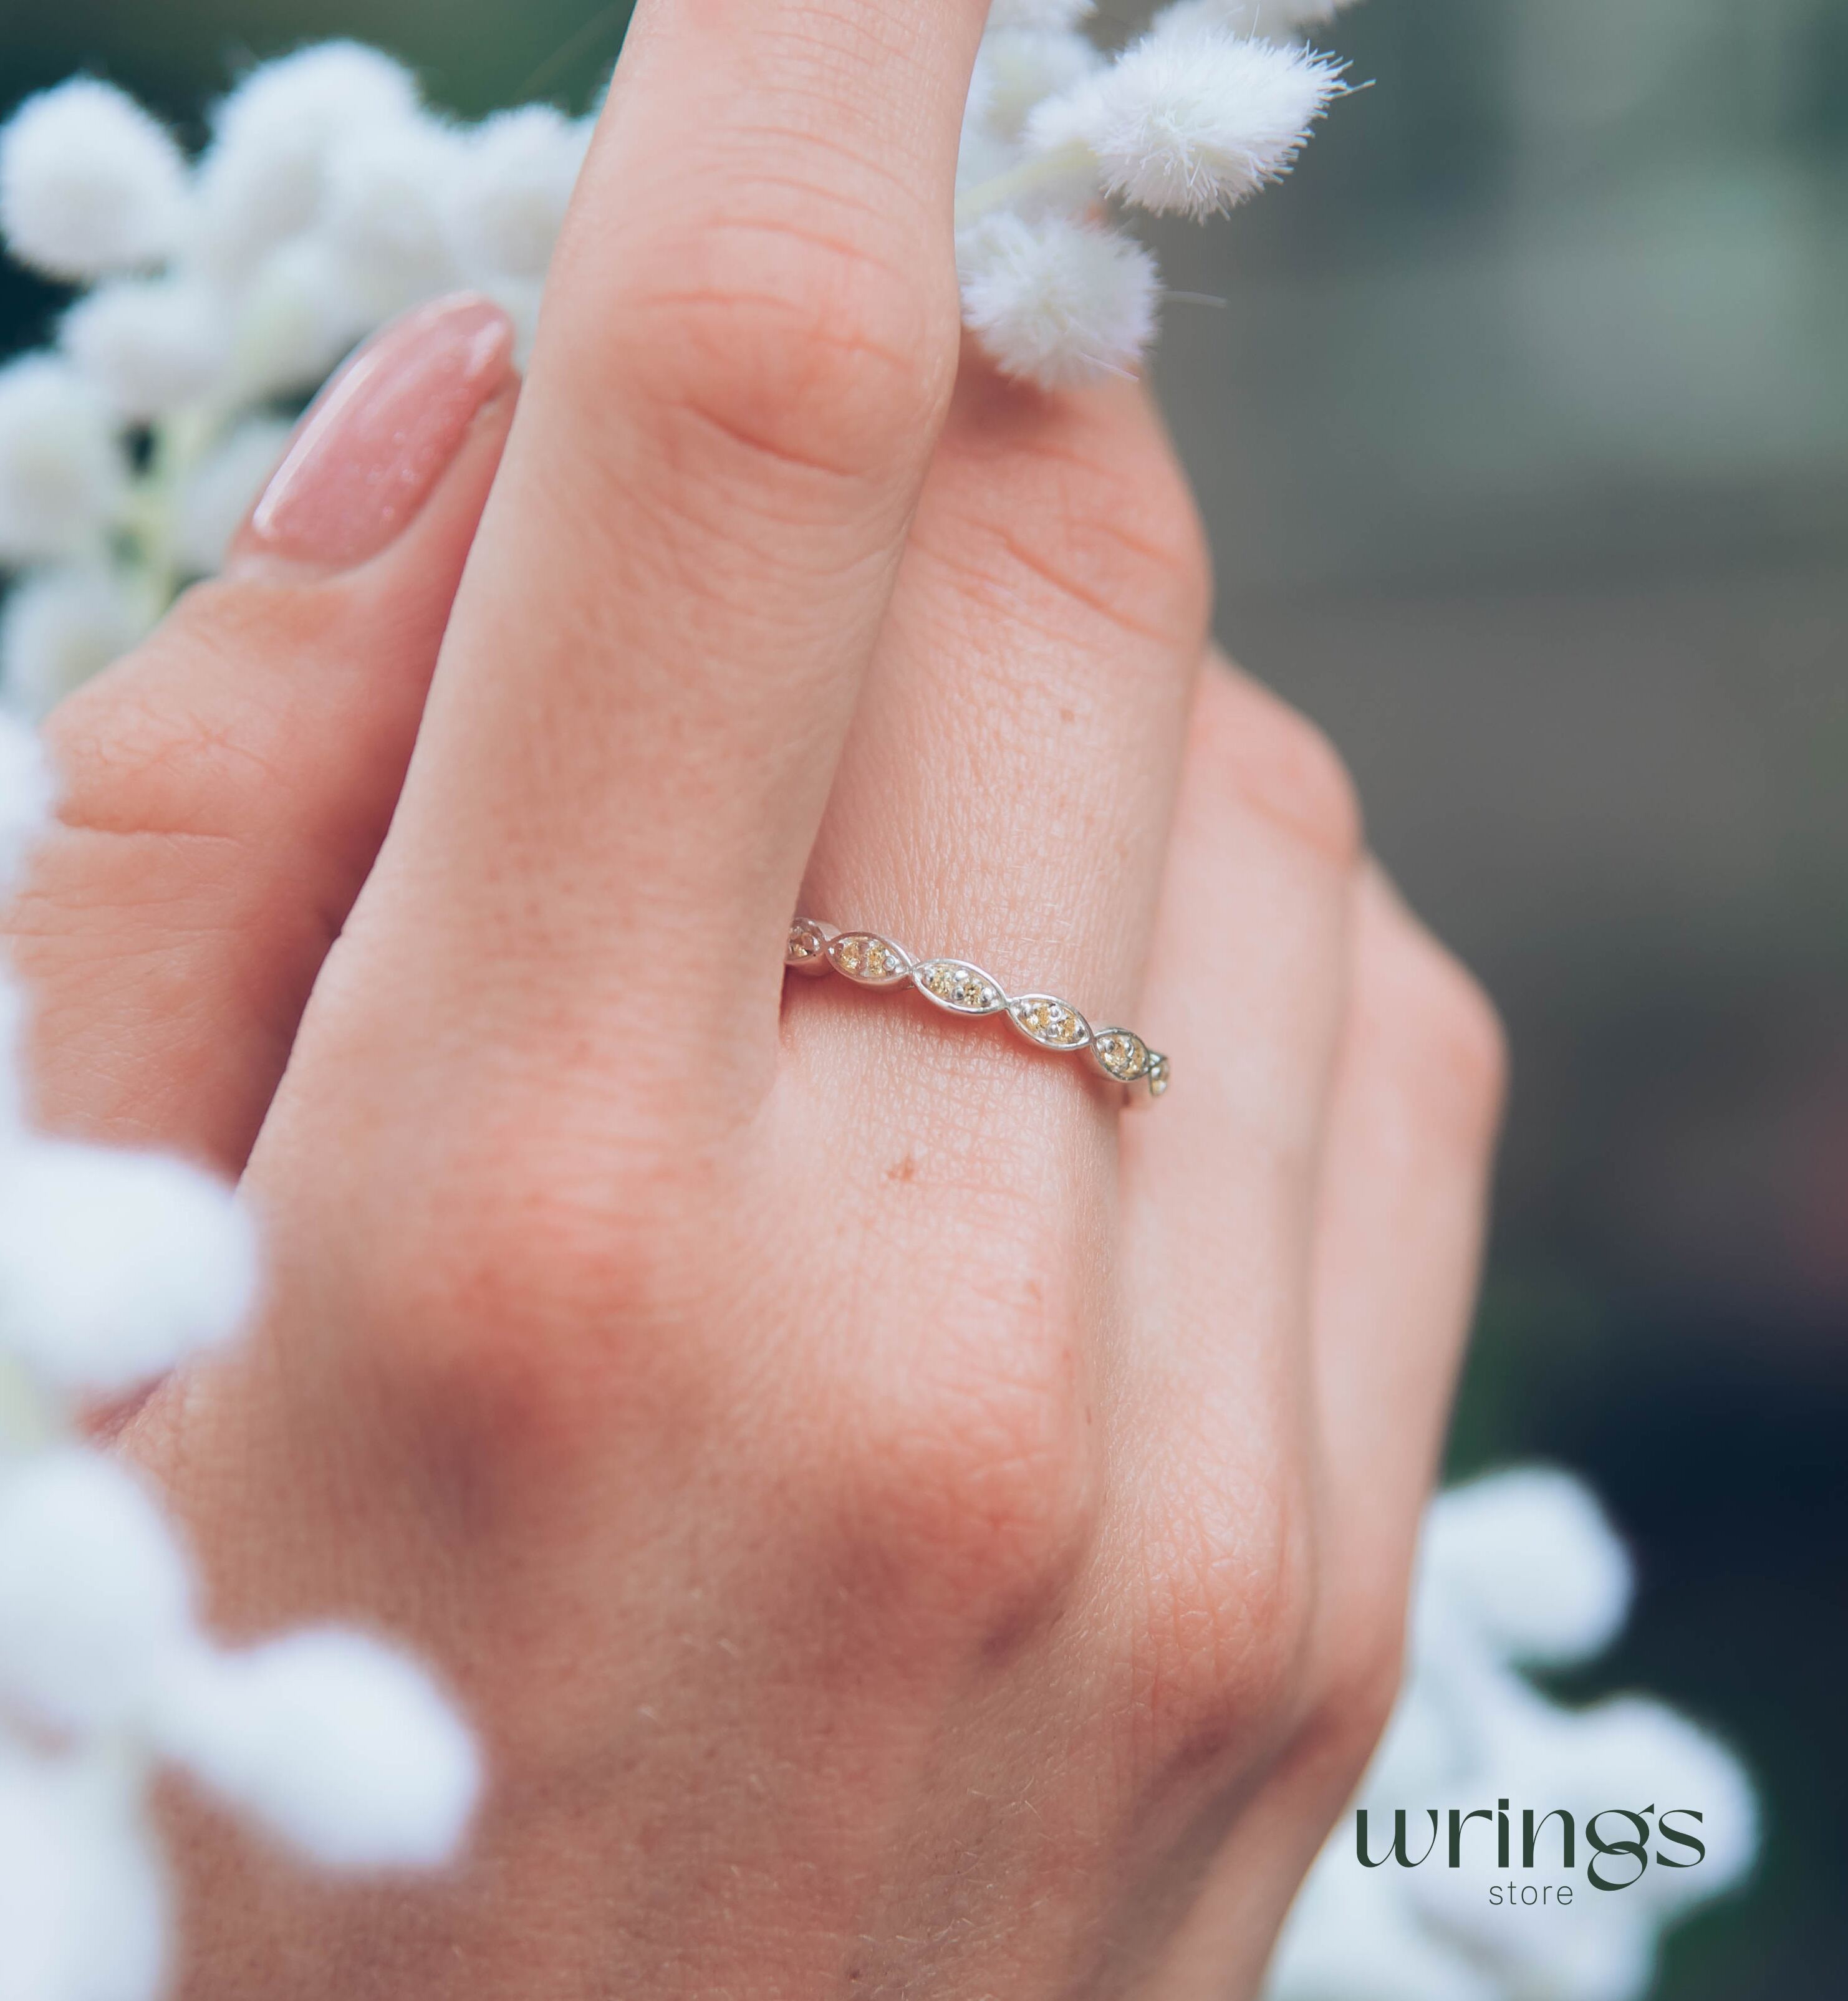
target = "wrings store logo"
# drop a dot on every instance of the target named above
(1664, 1840)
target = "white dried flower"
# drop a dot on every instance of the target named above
(89, 182)
(1265, 20)
(152, 345)
(116, 1266)
(262, 179)
(83, 1900)
(1469, 1731)
(342, 1747)
(94, 1593)
(1005, 14)
(13, 1046)
(330, 199)
(62, 475)
(1631, 1748)
(1191, 121)
(296, 318)
(388, 217)
(112, 1267)
(984, 157)
(222, 488)
(1055, 301)
(27, 792)
(60, 625)
(1619, 1757)
(1018, 69)
(1533, 1558)
(516, 174)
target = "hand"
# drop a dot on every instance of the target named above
(901, 1526)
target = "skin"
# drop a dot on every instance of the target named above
(899, 1525)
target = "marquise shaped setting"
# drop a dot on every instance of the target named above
(1050, 1022)
(806, 949)
(958, 988)
(869, 960)
(961, 988)
(1121, 1054)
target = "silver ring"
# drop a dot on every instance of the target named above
(867, 959)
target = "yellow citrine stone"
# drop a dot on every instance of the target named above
(871, 961)
(807, 945)
(1122, 1055)
(962, 989)
(1050, 1022)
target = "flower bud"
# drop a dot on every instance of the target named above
(89, 183)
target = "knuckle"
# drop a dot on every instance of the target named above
(1233, 1609)
(1094, 510)
(173, 739)
(1474, 1043)
(135, 756)
(795, 348)
(1284, 766)
(533, 1298)
(1307, 785)
(1355, 1693)
(967, 1478)
(1457, 1045)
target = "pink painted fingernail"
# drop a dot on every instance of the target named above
(378, 437)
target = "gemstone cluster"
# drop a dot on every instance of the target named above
(1122, 1055)
(1048, 1023)
(963, 989)
(869, 960)
(959, 988)
(807, 948)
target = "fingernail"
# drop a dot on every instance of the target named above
(378, 437)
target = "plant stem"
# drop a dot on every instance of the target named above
(1065, 163)
(180, 442)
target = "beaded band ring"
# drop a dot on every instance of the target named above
(966, 990)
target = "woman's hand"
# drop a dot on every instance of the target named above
(900, 1526)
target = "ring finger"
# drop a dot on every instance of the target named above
(1022, 720)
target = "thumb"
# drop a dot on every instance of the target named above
(226, 787)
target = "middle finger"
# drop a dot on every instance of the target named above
(749, 339)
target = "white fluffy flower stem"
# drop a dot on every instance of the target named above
(154, 572)
(1059, 167)
(330, 197)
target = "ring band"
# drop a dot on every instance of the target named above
(966, 990)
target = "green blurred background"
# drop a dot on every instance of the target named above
(1521, 430)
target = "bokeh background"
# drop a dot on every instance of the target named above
(1520, 419)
